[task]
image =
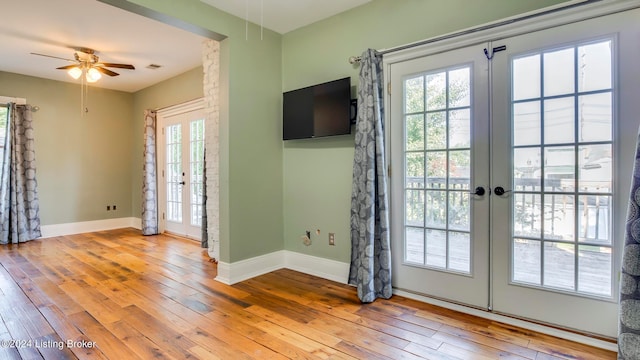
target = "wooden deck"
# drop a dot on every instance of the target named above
(119, 295)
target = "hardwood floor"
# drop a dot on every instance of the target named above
(119, 295)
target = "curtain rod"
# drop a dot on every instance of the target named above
(356, 59)
(33, 108)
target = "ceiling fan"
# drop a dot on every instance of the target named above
(87, 62)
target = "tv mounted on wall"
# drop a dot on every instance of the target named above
(317, 111)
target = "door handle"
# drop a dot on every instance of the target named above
(499, 190)
(478, 191)
(181, 183)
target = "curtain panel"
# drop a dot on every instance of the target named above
(629, 328)
(150, 179)
(19, 207)
(204, 239)
(370, 269)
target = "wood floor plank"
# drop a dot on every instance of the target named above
(66, 331)
(155, 297)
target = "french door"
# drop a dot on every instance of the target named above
(549, 131)
(442, 109)
(182, 175)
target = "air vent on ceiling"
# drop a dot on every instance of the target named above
(154, 66)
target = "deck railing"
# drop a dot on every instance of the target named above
(594, 207)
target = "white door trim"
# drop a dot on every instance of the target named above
(162, 115)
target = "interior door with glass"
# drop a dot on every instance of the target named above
(439, 157)
(183, 172)
(560, 175)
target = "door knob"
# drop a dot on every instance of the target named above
(478, 191)
(499, 190)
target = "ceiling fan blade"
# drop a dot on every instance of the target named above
(67, 67)
(120, 66)
(54, 57)
(106, 71)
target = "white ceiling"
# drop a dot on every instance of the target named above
(283, 16)
(57, 27)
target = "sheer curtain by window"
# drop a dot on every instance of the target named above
(150, 181)
(19, 207)
(629, 329)
(370, 269)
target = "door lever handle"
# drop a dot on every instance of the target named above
(181, 183)
(499, 190)
(480, 191)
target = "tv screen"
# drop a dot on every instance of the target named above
(316, 111)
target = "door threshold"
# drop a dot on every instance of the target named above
(595, 340)
(181, 236)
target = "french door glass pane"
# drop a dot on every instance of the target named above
(558, 72)
(527, 72)
(528, 268)
(414, 95)
(436, 248)
(559, 120)
(414, 238)
(562, 168)
(414, 166)
(526, 123)
(595, 262)
(415, 132)
(596, 60)
(414, 211)
(595, 117)
(437, 157)
(436, 136)
(559, 265)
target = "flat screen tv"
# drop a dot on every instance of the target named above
(316, 111)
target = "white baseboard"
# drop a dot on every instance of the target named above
(231, 273)
(89, 226)
(324, 268)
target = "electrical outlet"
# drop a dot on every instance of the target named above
(332, 239)
(108, 207)
(114, 207)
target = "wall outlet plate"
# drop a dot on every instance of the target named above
(332, 239)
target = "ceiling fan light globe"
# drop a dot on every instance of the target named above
(93, 75)
(75, 72)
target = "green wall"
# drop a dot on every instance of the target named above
(317, 172)
(83, 162)
(251, 209)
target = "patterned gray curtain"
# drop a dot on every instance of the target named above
(205, 232)
(629, 329)
(19, 209)
(370, 267)
(150, 180)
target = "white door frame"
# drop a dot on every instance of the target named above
(162, 115)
